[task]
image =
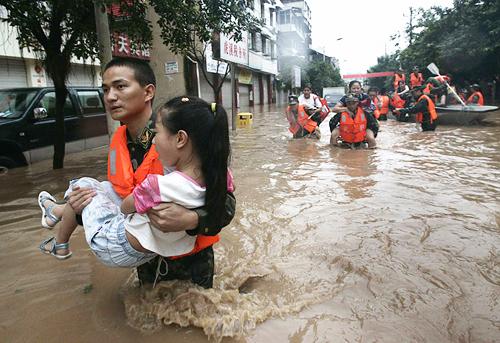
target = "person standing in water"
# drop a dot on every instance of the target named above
(351, 126)
(301, 124)
(311, 103)
(192, 141)
(424, 109)
(365, 102)
(129, 89)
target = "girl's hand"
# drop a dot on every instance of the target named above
(80, 197)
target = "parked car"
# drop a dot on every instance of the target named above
(333, 99)
(27, 123)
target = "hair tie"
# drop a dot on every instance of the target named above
(185, 99)
(213, 107)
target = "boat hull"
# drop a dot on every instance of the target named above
(460, 115)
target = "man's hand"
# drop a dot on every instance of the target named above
(79, 198)
(170, 217)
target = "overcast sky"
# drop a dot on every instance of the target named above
(364, 26)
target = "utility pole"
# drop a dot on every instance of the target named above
(104, 40)
(233, 91)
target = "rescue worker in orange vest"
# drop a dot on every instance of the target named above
(301, 124)
(377, 101)
(398, 76)
(384, 104)
(476, 98)
(424, 109)
(416, 78)
(129, 87)
(352, 126)
(436, 86)
(397, 102)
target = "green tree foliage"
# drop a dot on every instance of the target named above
(56, 31)
(320, 74)
(287, 74)
(463, 40)
(187, 26)
(384, 63)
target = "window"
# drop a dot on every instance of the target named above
(284, 17)
(90, 102)
(265, 46)
(13, 103)
(49, 103)
(273, 50)
(255, 43)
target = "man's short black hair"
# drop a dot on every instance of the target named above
(142, 70)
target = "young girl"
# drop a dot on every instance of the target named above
(192, 141)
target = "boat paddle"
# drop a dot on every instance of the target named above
(435, 70)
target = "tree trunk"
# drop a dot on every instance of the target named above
(60, 68)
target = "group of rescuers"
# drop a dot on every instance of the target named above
(357, 113)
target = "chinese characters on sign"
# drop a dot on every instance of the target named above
(233, 51)
(214, 66)
(124, 47)
(171, 67)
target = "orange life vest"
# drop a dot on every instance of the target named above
(302, 121)
(353, 130)
(416, 80)
(124, 179)
(398, 78)
(120, 171)
(376, 102)
(384, 99)
(396, 101)
(480, 100)
(430, 107)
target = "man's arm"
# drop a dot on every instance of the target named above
(420, 106)
(170, 217)
(206, 230)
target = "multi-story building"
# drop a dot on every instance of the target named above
(294, 33)
(315, 55)
(255, 58)
(21, 68)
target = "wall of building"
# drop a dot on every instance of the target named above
(21, 67)
(170, 81)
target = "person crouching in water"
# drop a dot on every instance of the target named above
(301, 125)
(351, 126)
(424, 108)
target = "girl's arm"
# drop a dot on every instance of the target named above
(128, 205)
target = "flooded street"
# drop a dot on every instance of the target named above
(396, 244)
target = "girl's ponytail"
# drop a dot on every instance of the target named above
(214, 165)
(207, 126)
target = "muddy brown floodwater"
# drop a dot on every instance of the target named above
(397, 244)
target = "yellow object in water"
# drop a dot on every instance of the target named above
(245, 118)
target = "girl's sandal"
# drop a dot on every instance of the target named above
(47, 211)
(53, 249)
